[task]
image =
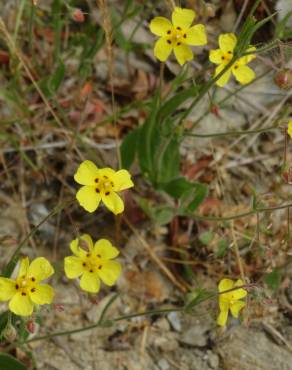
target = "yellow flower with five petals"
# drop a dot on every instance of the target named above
(231, 300)
(26, 291)
(223, 56)
(101, 185)
(92, 263)
(177, 35)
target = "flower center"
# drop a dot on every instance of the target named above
(226, 57)
(176, 36)
(92, 263)
(24, 285)
(104, 185)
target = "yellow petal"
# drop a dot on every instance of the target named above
(215, 56)
(196, 35)
(113, 202)
(250, 57)
(183, 53)
(86, 173)
(105, 250)
(227, 42)
(90, 282)
(108, 172)
(73, 267)
(21, 305)
(239, 293)
(225, 77)
(110, 272)
(160, 25)
(224, 302)
(40, 269)
(236, 307)
(88, 198)
(243, 74)
(43, 294)
(75, 248)
(289, 129)
(7, 289)
(225, 284)
(122, 180)
(23, 266)
(183, 17)
(222, 318)
(162, 49)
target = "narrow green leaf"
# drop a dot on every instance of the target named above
(196, 297)
(171, 105)
(129, 147)
(56, 79)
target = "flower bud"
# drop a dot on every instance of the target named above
(283, 79)
(9, 333)
(30, 326)
(77, 15)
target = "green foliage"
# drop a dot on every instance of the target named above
(282, 31)
(206, 237)
(160, 215)
(8, 362)
(273, 279)
(129, 147)
(222, 247)
(50, 85)
(196, 297)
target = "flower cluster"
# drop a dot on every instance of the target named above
(92, 263)
(179, 35)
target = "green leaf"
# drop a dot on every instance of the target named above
(8, 362)
(273, 279)
(206, 237)
(280, 31)
(177, 187)
(196, 297)
(168, 160)
(192, 199)
(160, 215)
(56, 79)
(221, 248)
(129, 147)
(163, 215)
(171, 105)
(149, 140)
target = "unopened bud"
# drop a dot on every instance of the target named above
(9, 333)
(215, 110)
(283, 79)
(78, 15)
(30, 326)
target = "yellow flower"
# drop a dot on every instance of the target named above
(177, 35)
(93, 263)
(222, 56)
(101, 184)
(289, 130)
(24, 292)
(231, 300)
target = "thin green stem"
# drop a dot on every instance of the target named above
(233, 133)
(240, 215)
